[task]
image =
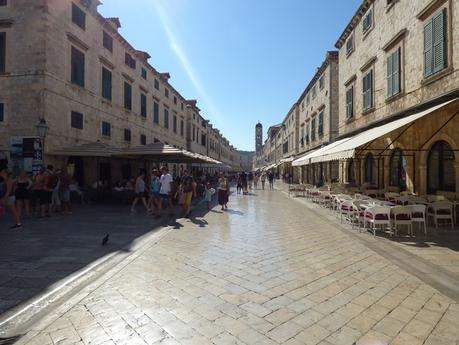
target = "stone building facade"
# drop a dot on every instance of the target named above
(68, 65)
(397, 67)
(318, 118)
(396, 58)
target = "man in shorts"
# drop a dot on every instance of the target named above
(165, 182)
(188, 187)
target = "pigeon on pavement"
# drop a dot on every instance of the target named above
(105, 239)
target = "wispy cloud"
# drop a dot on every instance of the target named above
(204, 97)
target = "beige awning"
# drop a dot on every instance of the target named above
(95, 149)
(346, 148)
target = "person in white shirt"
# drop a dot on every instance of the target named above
(164, 189)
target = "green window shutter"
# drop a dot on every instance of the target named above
(428, 58)
(439, 41)
(396, 71)
(2, 51)
(370, 89)
(390, 72)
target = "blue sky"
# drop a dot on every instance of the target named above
(243, 60)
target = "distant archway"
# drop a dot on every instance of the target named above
(441, 175)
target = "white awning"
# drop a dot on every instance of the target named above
(305, 160)
(287, 160)
(346, 147)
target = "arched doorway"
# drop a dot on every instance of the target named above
(441, 175)
(350, 171)
(370, 169)
(398, 170)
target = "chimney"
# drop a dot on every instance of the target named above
(165, 76)
(114, 22)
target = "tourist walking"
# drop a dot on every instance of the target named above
(7, 197)
(64, 191)
(22, 194)
(223, 190)
(263, 180)
(188, 187)
(139, 191)
(239, 185)
(255, 180)
(208, 193)
(55, 183)
(250, 180)
(154, 200)
(165, 187)
(243, 177)
(271, 179)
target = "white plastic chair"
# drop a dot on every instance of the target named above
(377, 215)
(440, 210)
(401, 215)
(403, 201)
(347, 208)
(418, 215)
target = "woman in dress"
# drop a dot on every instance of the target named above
(223, 192)
(23, 186)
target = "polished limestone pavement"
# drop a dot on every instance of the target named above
(266, 271)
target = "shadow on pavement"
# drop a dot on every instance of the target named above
(45, 251)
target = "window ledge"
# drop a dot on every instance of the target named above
(391, 5)
(106, 101)
(349, 120)
(5, 74)
(348, 54)
(437, 76)
(395, 97)
(366, 33)
(368, 111)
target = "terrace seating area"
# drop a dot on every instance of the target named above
(374, 210)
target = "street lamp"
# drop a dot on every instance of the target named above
(42, 132)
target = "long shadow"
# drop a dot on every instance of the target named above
(444, 238)
(45, 251)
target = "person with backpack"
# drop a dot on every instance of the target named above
(7, 197)
(271, 179)
(188, 187)
(48, 185)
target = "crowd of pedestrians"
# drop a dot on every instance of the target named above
(41, 195)
(247, 181)
(159, 192)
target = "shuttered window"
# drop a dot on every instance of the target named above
(181, 128)
(127, 135)
(166, 118)
(78, 16)
(155, 112)
(144, 73)
(307, 134)
(2, 112)
(107, 41)
(156, 84)
(393, 73)
(106, 129)
(435, 44)
(368, 91)
(174, 123)
(77, 63)
(320, 127)
(350, 102)
(143, 105)
(2, 51)
(106, 84)
(313, 129)
(143, 139)
(350, 45)
(129, 60)
(367, 21)
(76, 120)
(127, 96)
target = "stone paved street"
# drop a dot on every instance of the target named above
(267, 271)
